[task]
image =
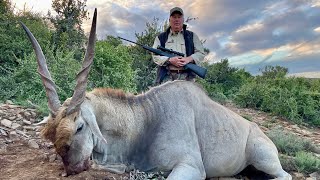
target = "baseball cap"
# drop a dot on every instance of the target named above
(176, 9)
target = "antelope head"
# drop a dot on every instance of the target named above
(71, 127)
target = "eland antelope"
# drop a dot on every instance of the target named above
(174, 127)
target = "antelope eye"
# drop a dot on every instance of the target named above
(79, 128)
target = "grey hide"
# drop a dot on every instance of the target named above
(177, 128)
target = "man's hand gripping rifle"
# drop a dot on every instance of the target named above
(201, 72)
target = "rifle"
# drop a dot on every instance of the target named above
(200, 71)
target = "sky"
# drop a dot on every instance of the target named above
(249, 33)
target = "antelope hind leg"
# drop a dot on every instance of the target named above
(264, 157)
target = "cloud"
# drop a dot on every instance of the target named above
(246, 32)
(294, 65)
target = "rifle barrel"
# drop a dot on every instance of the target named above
(130, 41)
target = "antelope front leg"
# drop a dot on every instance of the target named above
(184, 171)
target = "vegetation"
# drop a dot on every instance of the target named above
(14, 44)
(223, 81)
(296, 99)
(306, 162)
(112, 66)
(131, 68)
(68, 32)
(142, 61)
(295, 152)
(19, 80)
(288, 143)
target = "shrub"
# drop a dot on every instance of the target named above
(250, 95)
(306, 162)
(112, 67)
(215, 91)
(296, 99)
(229, 78)
(287, 162)
(288, 143)
(24, 83)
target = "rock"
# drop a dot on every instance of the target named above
(295, 126)
(11, 118)
(9, 102)
(38, 128)
(3, 132)
(12, 107)
(13, 133)
(59, 158)
(15, 125)
(52, 157)
(32, 120)
(29, 128)
(22, 133)
(6, 123)
(48, 144)
(297, 175)
(33, 144)
(33, 114)
(19, 117)
(310, 178)
(315, 175)
(3, 148)
(27, 114)
(43, 157)
(32, 133)
(26, 122)
(8, 141)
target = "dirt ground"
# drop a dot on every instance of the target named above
(24, 155)
(19, 161)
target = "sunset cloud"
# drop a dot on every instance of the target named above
(248, 33)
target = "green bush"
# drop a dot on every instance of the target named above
(112, 67)
(306, 162)
(250, 95)
(287, 162)
(214, 91)
(288, 143)
(24, 83)
(296, 99)
(230, 79)
(14, 44)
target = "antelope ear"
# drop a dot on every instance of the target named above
(44, 121)
(90, 119)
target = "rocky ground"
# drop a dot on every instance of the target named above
(24, 155)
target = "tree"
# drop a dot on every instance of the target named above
(113, 41)
(223, 80)
(273, 72)
(142, 60)
(14, 43)
(112, 66)
(5, 7)
(68, 21)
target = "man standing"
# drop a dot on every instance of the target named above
(179, 39)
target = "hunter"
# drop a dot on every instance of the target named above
(179, 39)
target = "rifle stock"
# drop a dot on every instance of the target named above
(201, 72)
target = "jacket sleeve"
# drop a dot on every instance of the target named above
(160, 60)
(199, 53)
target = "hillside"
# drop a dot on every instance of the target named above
(312, 75)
